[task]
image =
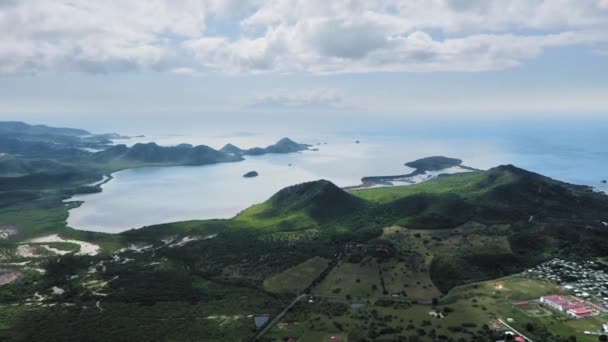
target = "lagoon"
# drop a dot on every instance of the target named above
(147, 196)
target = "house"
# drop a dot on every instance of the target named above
(580, 312)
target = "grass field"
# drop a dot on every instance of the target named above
(457, 183)
(257, 216)
(298, 278)
(467, 309)
(359, 281)
(409, 278)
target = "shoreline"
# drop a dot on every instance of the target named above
(410, 178)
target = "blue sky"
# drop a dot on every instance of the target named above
(399, 59)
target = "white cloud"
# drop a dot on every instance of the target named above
(286, 36)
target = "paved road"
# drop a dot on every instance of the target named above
(278, 317)
(515, 331)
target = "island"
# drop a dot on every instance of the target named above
(284, 145)
(452, 256)
(422, 167)
(251, 174)
(433, 163)
(604, 181)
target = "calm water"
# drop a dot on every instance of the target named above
(136, 198)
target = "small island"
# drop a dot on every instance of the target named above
(421, 168)
(433, 163)
(251, 174)
(604, 181)
(282, 146)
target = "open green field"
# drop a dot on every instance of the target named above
(409, 278)
(464, 183)
(298, 278)
(206, 280)
(360, 281)
(468, 309)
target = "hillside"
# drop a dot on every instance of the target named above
(284, 145)
(152, 153)
(16, 127)
(393, 250)
(501, 194)
(40, 141)
(421, 168)
(318, 204)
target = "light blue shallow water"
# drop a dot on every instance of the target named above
(140, 197)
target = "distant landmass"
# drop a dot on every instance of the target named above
(33, 157)
(433, 163)
(251, 174)
(448, 257)
(284, 145)
(41, 141)
(152, 153)
(16, 127)
(421, 166)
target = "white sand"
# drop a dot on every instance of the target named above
(27, 251)
(57, 290)
(86, 248)
(135, 248)
(55, 250)
(183, 241)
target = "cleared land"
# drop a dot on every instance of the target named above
(359, 281)
(467, 310)
(298, 278)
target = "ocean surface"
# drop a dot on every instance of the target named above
(572, 151)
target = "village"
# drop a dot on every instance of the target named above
(585, 280)
(585, 289)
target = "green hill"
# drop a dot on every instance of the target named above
(284, 145)
(321, 199)
(504, 193)
(152, 153)
(389, 251)
(7, 127)
(433, 163)
(311, 204)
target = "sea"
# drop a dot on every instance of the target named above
(568, 150)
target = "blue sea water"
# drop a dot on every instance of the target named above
(571, 151)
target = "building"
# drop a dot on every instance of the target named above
(580, 312)
(571, 306)
(556, 302)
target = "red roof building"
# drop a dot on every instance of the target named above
(572, 306)
(580, 312)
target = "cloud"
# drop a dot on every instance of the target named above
(309, 99)
(287, 36)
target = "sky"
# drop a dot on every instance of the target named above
(163, 61)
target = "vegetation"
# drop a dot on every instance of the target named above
(433, 163)
(374, 261)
